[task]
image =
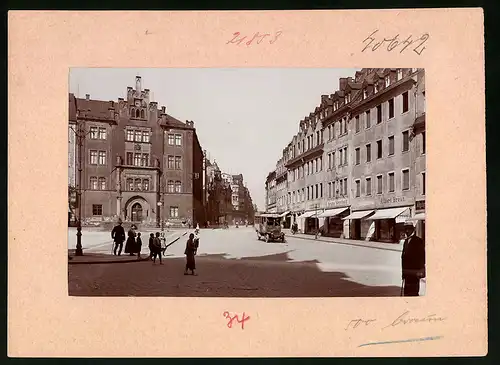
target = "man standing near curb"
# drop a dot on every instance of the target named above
(118, 235)
(412, 261)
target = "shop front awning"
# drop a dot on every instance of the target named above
(308, 214)
(359, 214)
(284, 214)
(270, 215)
(332, 212)
(417, 217)
(389, 213)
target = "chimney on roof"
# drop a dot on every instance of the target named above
(111, 113)
(138, 84)
(163, 110)
(146, 95)
(324, 99)
(342, 83)
(87, 97)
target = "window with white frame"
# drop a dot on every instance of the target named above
(178, 139)
(145, 136)
(137, 159)
(94, 133)
(102, 158)
(102, 133)
(93, 157)
(399, 74)
(171, 139)
(387, 81)
(130, 135)
(178, 187)
(93, 183)
(138, 136)
(102, 183)
(174, 212)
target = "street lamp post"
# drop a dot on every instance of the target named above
(80, 135)
(159, 213)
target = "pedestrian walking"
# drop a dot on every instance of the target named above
(196, 239)
(138, 244)
(190, 252)
(118, 236)
(157, 248)
(130, 244)
(151, 245)
(412, 261)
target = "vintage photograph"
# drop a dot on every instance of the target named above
(246, 182)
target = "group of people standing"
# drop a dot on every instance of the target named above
(134, 240)
(156, 246)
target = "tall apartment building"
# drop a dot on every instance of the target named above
(356, 167)
(138, 162)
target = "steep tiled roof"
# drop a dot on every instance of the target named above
(98, 109)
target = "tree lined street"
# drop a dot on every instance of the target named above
(233, 262)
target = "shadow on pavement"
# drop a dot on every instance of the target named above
(265, 276)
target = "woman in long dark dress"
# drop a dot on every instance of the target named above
(130, 245)
(190, 253)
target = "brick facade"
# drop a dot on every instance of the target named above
(135, 156)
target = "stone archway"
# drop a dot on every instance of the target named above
(137, 209)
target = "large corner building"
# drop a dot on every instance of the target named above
(134, 161)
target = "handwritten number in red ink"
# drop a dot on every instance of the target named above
(230, 319)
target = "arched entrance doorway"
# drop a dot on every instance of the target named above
(136, 213)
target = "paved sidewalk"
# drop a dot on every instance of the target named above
(100, 258)
(398, 247)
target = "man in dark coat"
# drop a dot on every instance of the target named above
(412, 261)
(118, 236)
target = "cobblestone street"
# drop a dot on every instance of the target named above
(234, 263)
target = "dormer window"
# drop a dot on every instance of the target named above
(387, 81)
(345, 99)
(376, 88)
(364, 94)
(349, 97)
(399, 74)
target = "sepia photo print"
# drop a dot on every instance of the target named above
(295, 182)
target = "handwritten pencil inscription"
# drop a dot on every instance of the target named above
(373, 42)
(401, 320)
(256, 38)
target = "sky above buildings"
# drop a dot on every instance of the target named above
(244, 117)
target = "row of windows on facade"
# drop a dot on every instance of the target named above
(134, 159)
(316, 139)
(340, 188)
(97, 211)
(134, 135)
(99, 183)
(316, 165)
(347, 98)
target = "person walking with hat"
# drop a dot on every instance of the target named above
(412, 261)
(118, 236)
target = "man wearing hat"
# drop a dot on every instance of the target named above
(118, 236)
(412, 261)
